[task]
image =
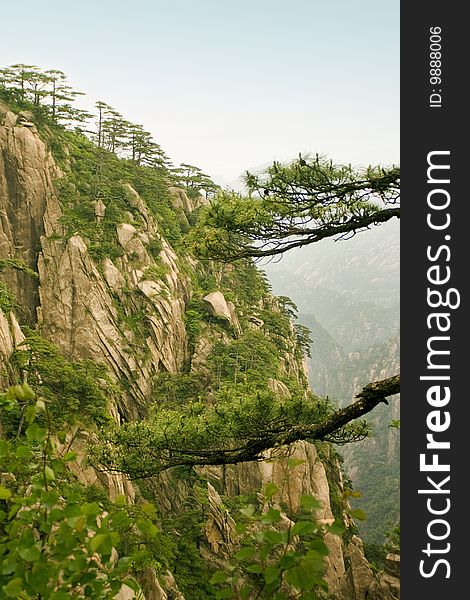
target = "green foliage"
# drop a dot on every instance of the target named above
(98, 174)
(55, 540)
(276, 559)
(70, 387)
(392, 539)
(252, 358)
(375, 554)
(154, 247)
(156, 271)
(193, 318)
(304, 339)
(181, 541)
(123, 154)
(173, 390)
(193, 180)
(7, 300)
(277, 327)
(17, 265)
(294, 204)
(197, 433)
(47, 93)
(53, 545)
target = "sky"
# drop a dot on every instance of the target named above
(228, 85)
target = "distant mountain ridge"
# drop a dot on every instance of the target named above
(347, 293)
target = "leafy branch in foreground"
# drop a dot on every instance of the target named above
(240, 428)
(53, 545)
(292, 205)
(279, 558)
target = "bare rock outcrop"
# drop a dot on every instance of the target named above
(29, 207)
(11, 337)
(278, 388)
(217, 306)
(182, 200)
(358, 577)
(220, 526)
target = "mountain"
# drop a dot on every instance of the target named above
(128, 339)
(347, 292)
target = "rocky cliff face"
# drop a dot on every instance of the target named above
(130, 313)
(28, 206)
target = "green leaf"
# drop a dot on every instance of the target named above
(270, 489)
(34, 433)
(336, 529)
(8, 566)
(30, 413)
(77, 523)
(69, 456)
(303, 528)
(13, 588)
(300, 578)
(59, 596)
(4, 448)
(246, 591)
(28, 393)
(140, 556)
(358, 513)
(23, 452)
(265, 551)
(121, 520)
(288, 560)
(78, 565)
(224, 593)
(354, 494)
(4, 493)
(147, 527)
(254, 569)
(272, 516)
(271, 574)
(318, 545)
(40, 405)
(73, 510)
(276, 537)
(132, 583)
(245, 553)
(218, 577)
(120, 500)
(148, 508)
(101, 541)
(248, 511)
(90, 509)
(309, 502)
(30, 554)
(49, 473)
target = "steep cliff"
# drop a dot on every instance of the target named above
(117, 289)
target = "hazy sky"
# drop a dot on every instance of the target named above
(228, 85)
